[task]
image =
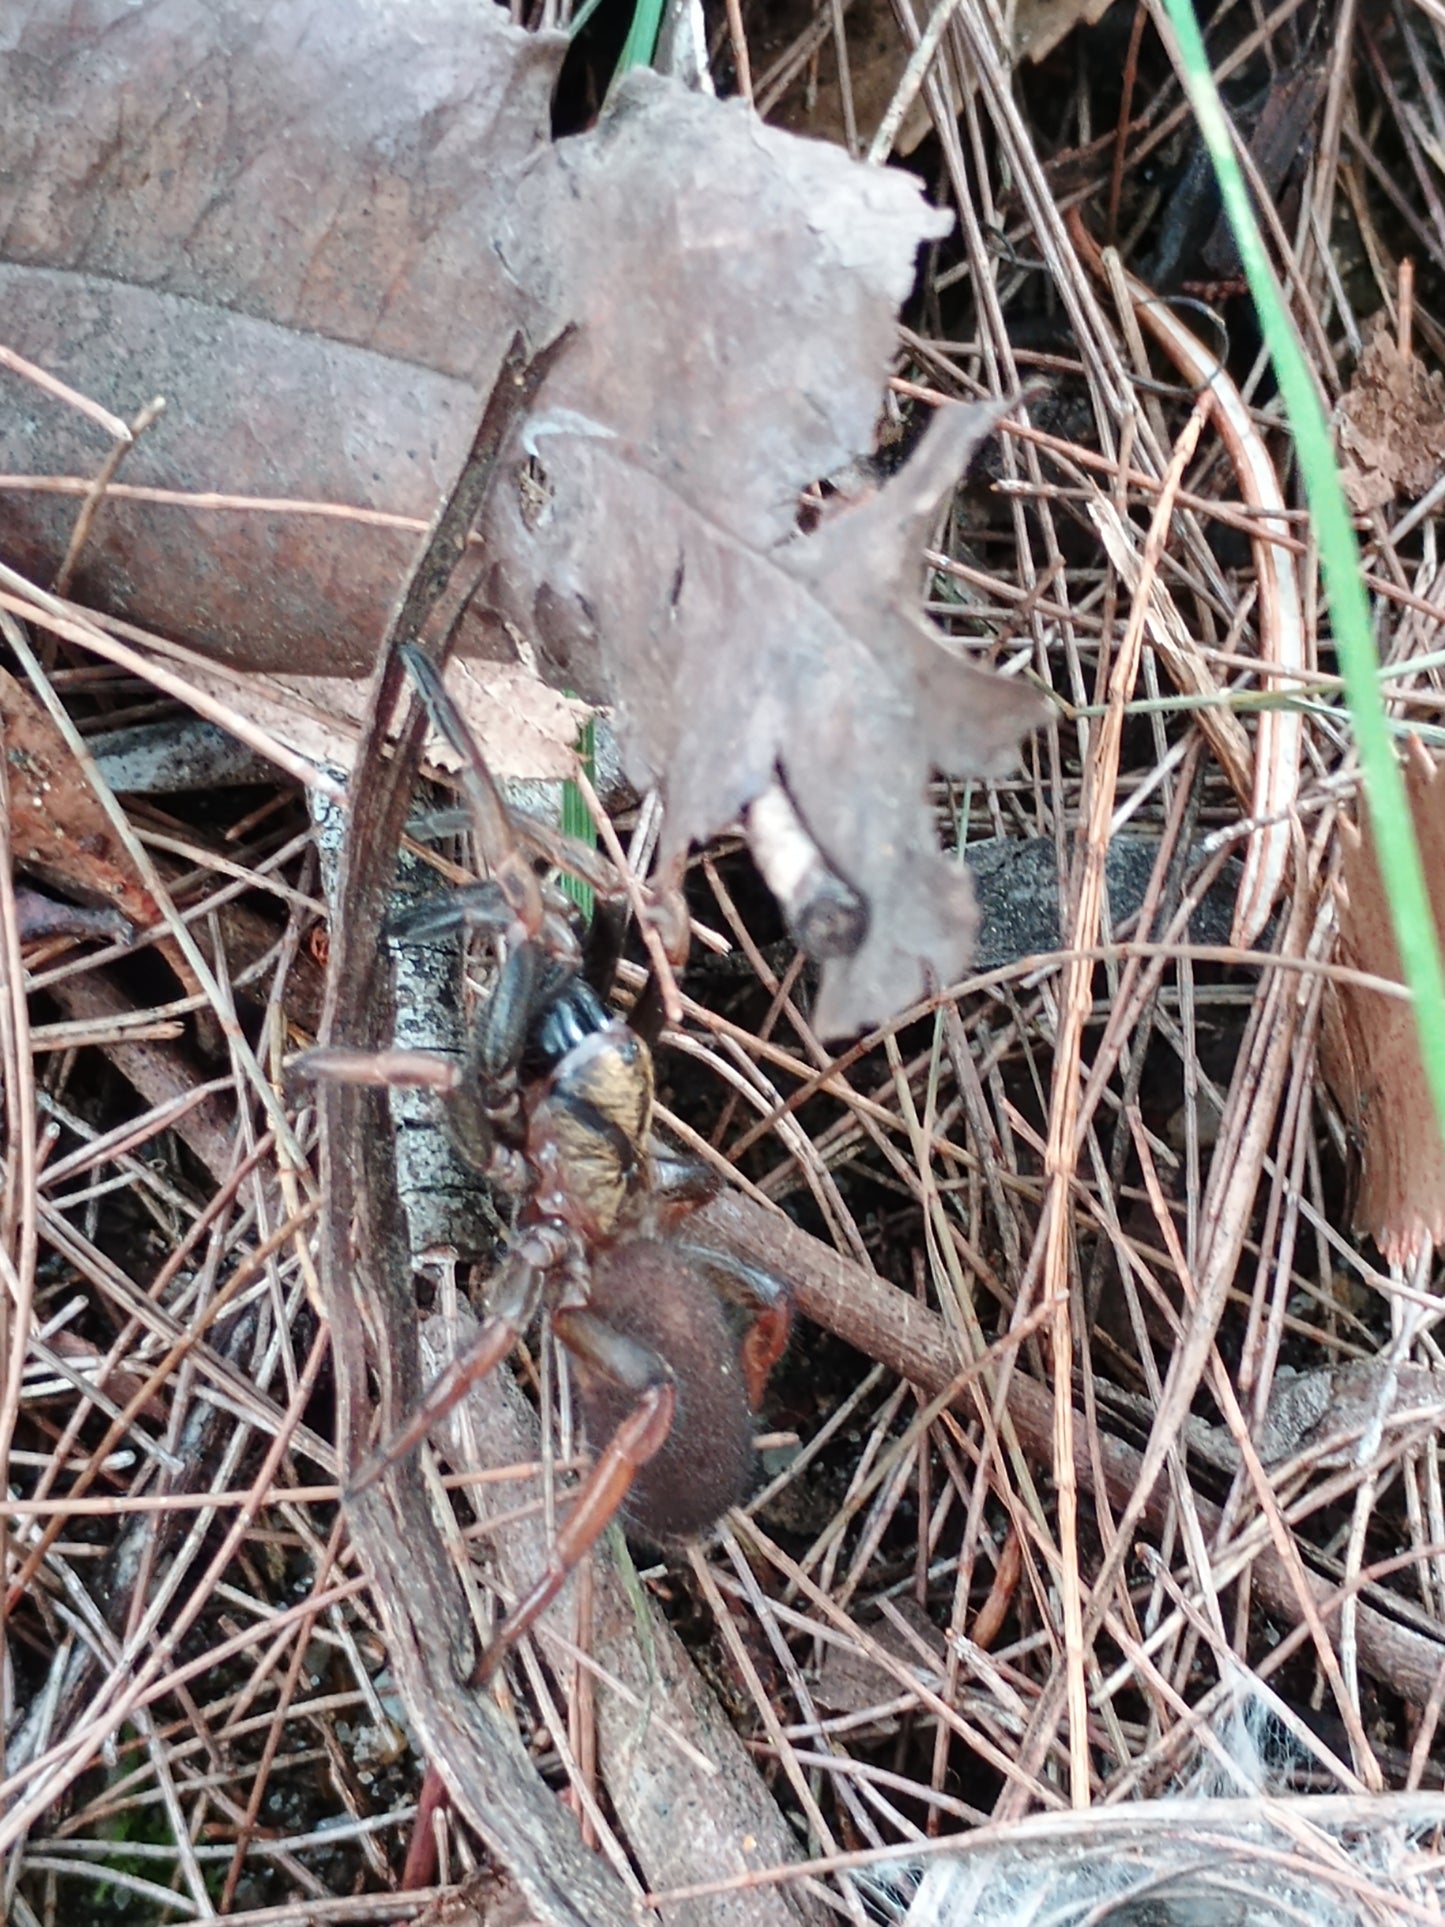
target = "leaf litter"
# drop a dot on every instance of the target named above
(1287, 1559)
(664, 573)
(1391, 426)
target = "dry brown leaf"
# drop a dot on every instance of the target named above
(1371, 1058)
(57, 827)
(526, 728)
(283, 223)
(837, 685)
(317, 237)
(1391, 426)
(307, 232)
(256, 414)
(664, 572)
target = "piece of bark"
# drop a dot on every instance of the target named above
(1370, 1052)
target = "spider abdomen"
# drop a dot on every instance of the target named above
(652, 1293)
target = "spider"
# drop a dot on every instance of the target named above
(672, 1343)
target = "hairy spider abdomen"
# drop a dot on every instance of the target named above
(650, 1292)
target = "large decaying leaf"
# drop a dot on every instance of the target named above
(316, 228)
(1371, 1057)
(838, 685)
(281, 218)
(665, 572)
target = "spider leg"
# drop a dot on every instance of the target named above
(550, 846)
(638, 1371)
(515, 1297)
(491, 819)
(483, 908)
(680, 1186)
(501, 836)
(470, 1118)
(416, 1070)
(473, 907)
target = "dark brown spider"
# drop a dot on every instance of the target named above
(672, 1344)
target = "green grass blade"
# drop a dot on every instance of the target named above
(577, 818)
(1390, 820)
(641, 42)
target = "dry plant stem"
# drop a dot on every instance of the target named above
(141, 1662)
(737, 36)
(242, 1054)
(18, 1232)
(160, 1072)
(74, 624)
(180, 1676)
(181, 1348)
(17, 1206)
(321, 1579)
(206, 501)
(1280, 732)
(1121, 132)
(95, 495)
(771, 1723)
(1285, 1545)
(1076, 1008)
(52, 385)
(1245, 1134)
(906, 92)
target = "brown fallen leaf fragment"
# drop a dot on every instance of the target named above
(666, 573)
(282, 220)
(526, 728)
(57, 827)
(1371, 1059)
(837, 686)
(271, 434)
(315, 231)
(1391, 426)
